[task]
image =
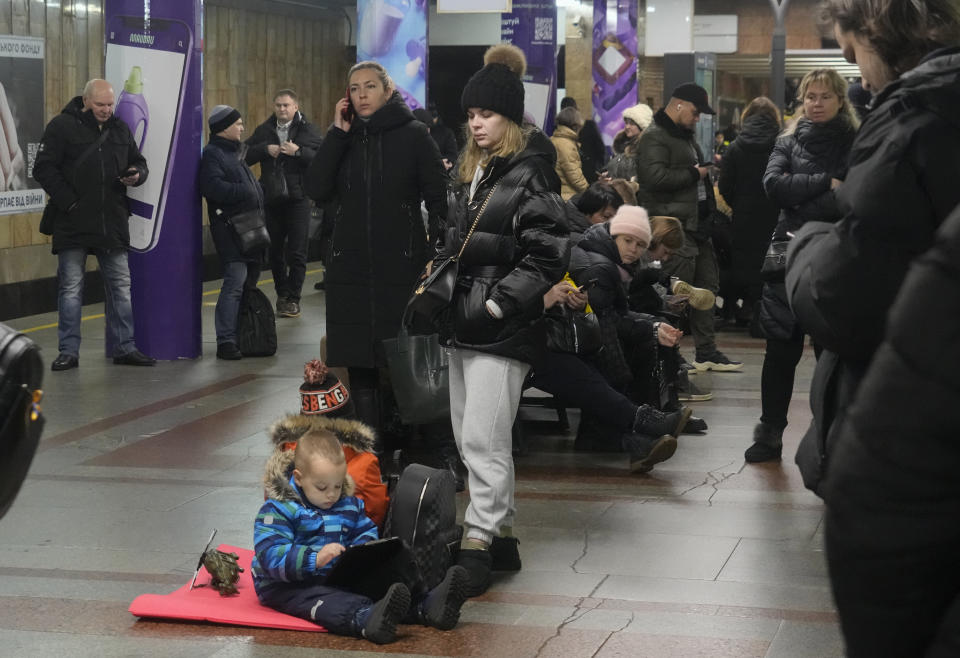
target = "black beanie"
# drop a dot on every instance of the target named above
(221, 118)
(497, 86)
(323, 394)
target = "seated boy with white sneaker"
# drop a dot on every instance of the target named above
(299, 534)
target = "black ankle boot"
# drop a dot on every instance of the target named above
(767, 444)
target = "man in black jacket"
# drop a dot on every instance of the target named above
(87, 160)
(284, 145)
(674, 183)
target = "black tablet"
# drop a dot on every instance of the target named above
(357, 561)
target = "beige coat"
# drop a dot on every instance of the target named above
(568, 162)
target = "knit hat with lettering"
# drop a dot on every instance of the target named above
(322, 393)
(221, 118)
(633, 221)
(498, 85)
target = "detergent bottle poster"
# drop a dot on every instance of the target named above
(394, 33)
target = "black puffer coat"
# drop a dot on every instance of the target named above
(800, 170)
(229, 188)
(89, 200)
(303, 134)
(741, 184)
(596, 256)
(518, 250)
(798, 181)
(900, 186)
(378, 172)
(892, 485)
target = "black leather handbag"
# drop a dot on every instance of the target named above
(774, 268)
(430, 302)
(21, 374)
(420, 377)
(571, 331)
(251, 229)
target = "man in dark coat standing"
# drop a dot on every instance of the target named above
(87, 160)
(675, 184)
(285, 145)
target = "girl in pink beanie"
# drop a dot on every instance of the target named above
(630, 229)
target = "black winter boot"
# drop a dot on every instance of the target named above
(767, 444)
(647, 451)
(657, 423)
(478, 564)
(441, 606)
(505, 554)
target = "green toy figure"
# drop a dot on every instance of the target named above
(222, 567)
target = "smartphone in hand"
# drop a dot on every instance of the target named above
(348, 113)
(589, 284)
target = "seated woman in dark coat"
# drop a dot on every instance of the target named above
(604, 259)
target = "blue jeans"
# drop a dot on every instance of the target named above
(236, 276)
(118, 308)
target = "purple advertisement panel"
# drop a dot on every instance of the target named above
(394, 33)
(614, 64)
(153, 60)
(532, 27)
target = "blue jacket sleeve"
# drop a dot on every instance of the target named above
(274, 543)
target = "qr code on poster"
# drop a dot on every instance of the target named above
(543, 29)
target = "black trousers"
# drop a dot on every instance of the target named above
(895, 579)
(776, 381)
(288, 223)
(576, 383)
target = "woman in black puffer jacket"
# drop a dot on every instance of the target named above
(511, 215)
(754, 214)
(807, 164)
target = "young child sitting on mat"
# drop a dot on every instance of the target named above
(311, 518)
(326, 404)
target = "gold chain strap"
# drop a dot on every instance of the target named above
(477, 220)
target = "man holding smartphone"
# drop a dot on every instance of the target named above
(284, 145)
(86, 161)
(674, 182)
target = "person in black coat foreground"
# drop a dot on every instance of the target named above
(230, 189)
(888, 446)
(806, 167)
(285, 145)
(379, 163)
(754, 214)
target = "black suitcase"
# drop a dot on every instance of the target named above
(21, 374)
(423, 513)
(256, 324)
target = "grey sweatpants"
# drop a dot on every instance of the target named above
(696, 263)
(484, 397)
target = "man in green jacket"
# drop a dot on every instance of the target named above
(673, 182)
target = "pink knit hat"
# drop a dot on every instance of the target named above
(632, 221)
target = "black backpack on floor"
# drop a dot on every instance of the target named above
(256, 324)
(21, 373)
(423, 513)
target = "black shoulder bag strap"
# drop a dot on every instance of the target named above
(89, 151)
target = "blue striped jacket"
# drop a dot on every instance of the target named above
(288, 533)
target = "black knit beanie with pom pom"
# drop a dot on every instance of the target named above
(498, 85)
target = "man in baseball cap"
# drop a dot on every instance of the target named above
(674, 182)
(695, 95)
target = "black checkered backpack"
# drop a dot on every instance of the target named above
(423, 513)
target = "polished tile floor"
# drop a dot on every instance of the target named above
(705, 556)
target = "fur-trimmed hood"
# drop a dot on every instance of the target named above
(287, 431)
